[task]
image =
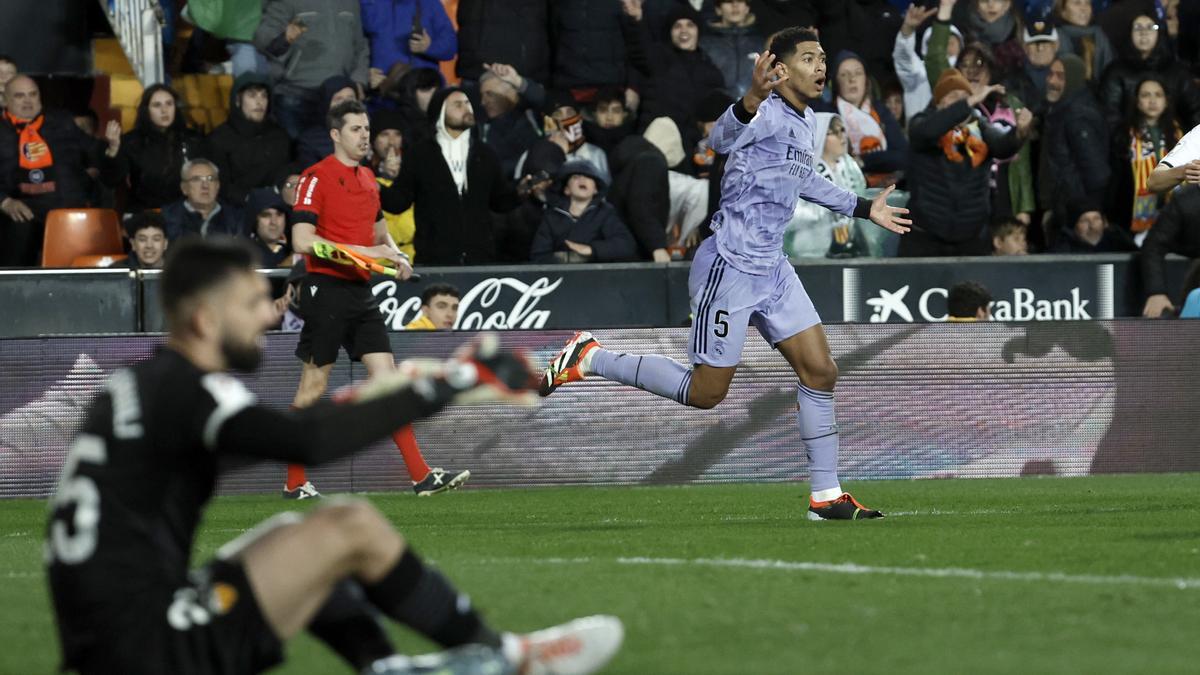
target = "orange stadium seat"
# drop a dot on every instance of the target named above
(71, 233)
(125, 91)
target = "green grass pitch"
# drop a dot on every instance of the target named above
(1038, 575)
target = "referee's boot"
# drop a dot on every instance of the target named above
(440, 480)
(566, 365)
(844, 507)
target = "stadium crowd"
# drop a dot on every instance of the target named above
(576, 129)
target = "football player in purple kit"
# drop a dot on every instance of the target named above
(740, 275)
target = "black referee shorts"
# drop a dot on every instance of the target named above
(339, 313)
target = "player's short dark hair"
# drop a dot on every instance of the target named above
(1007, 226)
(196, 265)
(966, 299)
(434, 290)
(783, 44)
(337, 114)
(144, 220)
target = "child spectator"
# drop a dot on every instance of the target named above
(1008, 237)
(579, 226)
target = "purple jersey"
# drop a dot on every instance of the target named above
(770, 167)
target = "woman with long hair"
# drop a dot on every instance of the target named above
(1148, 133)
(149, 158)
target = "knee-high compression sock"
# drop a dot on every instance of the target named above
(656, 374)
(347, 623)
(421, 598)
(410, 452)
(819, 431)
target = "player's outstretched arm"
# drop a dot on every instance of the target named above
(363, 415)
(889, 217)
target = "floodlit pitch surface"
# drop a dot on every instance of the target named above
(1036, 575)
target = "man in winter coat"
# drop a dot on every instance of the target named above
(951, 155)
(1087, 230)
(310, 42)
(516, 32)
(391, 28)
(452, 180)
(250, 149)
(641, 193)
(510, 101)
(731, 44)
(266, 223)
(43, 162)
(1073, 162)
(578, 225)
(201, 212)
(593, 43)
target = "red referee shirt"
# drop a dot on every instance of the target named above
(343, 202)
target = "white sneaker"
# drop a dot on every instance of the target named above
(306, 491)
(578, 647)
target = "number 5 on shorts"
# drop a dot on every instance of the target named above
(722, 328)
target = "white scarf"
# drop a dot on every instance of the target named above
(455, 151)
(860, 124)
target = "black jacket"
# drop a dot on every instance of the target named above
(73, 151)
(598, 226)
(677, 81)
(1114, 240)
(151, 160)
(183, 222)
(729, 47)
(951, 200)
(641, 192)
(1074, 152)
(516, 32)
(1118, 87)
(248, 154)
(314, 143)
(512, 133)
(593, 43)
(451, 229)
(1177, 230)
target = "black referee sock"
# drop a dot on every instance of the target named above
(421, 598)
(346, 622)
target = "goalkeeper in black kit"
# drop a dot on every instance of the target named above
(144, 465)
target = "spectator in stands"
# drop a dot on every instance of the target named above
(1042, 46)
(201, 211)
(578, 224)
(452, 181)
(151, 155)
(509, 101)
(147, 234)
(416, 32)
(1073, 162)
(439, 308)
(249, 148)
(387, 148)
(729, 43)
(593, 43)
(1087, 230)
(409, 95)
(1177, 231)
(613, 121)
(515, 230)
(950, 171)
(1009, 237)
(516, 32)
(641, 193)
(679, 74)
(310, 42)
(44, 158)
(1088, 42)
(314, 143)
(565, 129)
(910, 61)
(1143, 55)
(266, 221)
(815, 231)
(8, 70)
(688, 194)
(1148, 132)
(968, 301)
(877, 142)
(998, 24)
(95, 192)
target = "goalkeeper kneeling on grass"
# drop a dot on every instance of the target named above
(118, 552)
(338, 206)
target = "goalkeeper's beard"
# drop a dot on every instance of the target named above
(244, 358)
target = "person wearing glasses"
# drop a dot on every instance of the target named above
(201, 211)
(1147, 54)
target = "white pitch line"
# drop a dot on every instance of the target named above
(1179, 583)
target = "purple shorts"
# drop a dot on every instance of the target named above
(725, 301)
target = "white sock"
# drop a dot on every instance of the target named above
(827, 495)
(585, 364)
(511, 647)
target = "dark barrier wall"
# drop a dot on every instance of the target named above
(1032, 288)
(920, 401)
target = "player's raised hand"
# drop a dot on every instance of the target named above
(889, 217)
(768, 74)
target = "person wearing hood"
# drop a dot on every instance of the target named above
(1143, 54)
(641, 193)
(266, 221)
(310, 41)
(679, 73)
(565, 129)
(815, 231)
(151, 155)
(1074, 148)
(578, 224)
(250, 149)
(1087, 230)
(730, 43)
(313, 144)
(950, 171)
(389, 137)
(509, 99)
(914, 60)
(1088, 41)
(876, 140)
(453, 181)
